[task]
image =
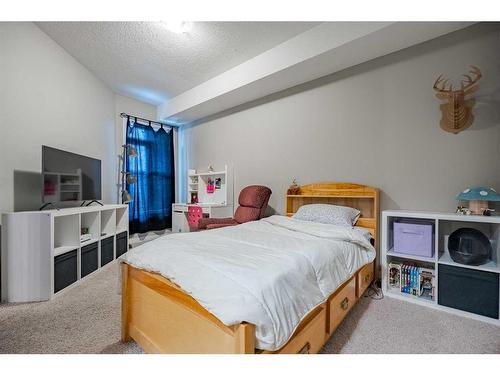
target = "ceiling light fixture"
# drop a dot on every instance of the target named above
(178, 27)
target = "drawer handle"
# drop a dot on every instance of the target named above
(367, 278)
(344, 304)
(305, 349)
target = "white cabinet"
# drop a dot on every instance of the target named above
(31, 242)
(443, 225)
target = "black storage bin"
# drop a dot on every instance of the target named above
(121, 244)
(106, 250)
(65, 270)
(468, 290)
(88, 259)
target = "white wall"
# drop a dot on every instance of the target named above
(49, 98)
(375, 124)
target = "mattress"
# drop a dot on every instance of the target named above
(270, 273)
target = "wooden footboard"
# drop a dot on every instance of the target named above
(162, 318)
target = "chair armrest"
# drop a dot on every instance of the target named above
(215, 226)
(205, 221)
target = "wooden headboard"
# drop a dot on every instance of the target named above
(362, 197)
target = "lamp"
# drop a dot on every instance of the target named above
(478, 198)
(131, 151)
(131, 179)
(126, 177)
(126, 197)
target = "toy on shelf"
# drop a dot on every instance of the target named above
(394, 275)
(194, 197)
(294, 189)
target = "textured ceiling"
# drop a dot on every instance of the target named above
(146, 61)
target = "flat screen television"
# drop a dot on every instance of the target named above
(69, 177)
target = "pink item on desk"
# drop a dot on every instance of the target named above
(195, 213)
(210, 186)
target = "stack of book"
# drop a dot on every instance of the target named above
(411, 279)
(85, 237)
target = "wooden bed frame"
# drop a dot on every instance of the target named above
(162, 318)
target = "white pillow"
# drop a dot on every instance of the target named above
(328, 214)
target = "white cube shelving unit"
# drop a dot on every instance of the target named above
(444, 224)
(31, 242)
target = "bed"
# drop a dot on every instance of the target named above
(273, 286)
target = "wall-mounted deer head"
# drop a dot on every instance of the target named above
(457, 111)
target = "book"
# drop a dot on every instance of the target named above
(427, 283)
(394, 275)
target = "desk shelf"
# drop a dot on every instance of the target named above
(197, 184)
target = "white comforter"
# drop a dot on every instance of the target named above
(271, 272)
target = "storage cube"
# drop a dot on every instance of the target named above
(468, 290)
(88, 259)
(106, 250)
(414, 238)
(121, 244)
(65, 270)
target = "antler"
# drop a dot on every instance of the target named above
(469, 81)
(443, 83)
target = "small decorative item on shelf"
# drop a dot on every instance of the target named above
(210, 168)
(294, 189)
(478, 198)
(218, 183)
(488, 212)
(394, 275)
(463, 210)
(194, 198)
(210, 186)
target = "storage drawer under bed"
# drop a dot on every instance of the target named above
(340, 304)
(364, 278)
(310, 337)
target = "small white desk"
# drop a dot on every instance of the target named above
(179, 214)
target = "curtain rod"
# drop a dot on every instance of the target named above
(125, 115)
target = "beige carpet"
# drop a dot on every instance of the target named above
(86, 319)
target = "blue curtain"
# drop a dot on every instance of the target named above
(153, 167)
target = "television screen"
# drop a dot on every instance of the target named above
(69, 177)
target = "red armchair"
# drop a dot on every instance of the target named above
(252, 206)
